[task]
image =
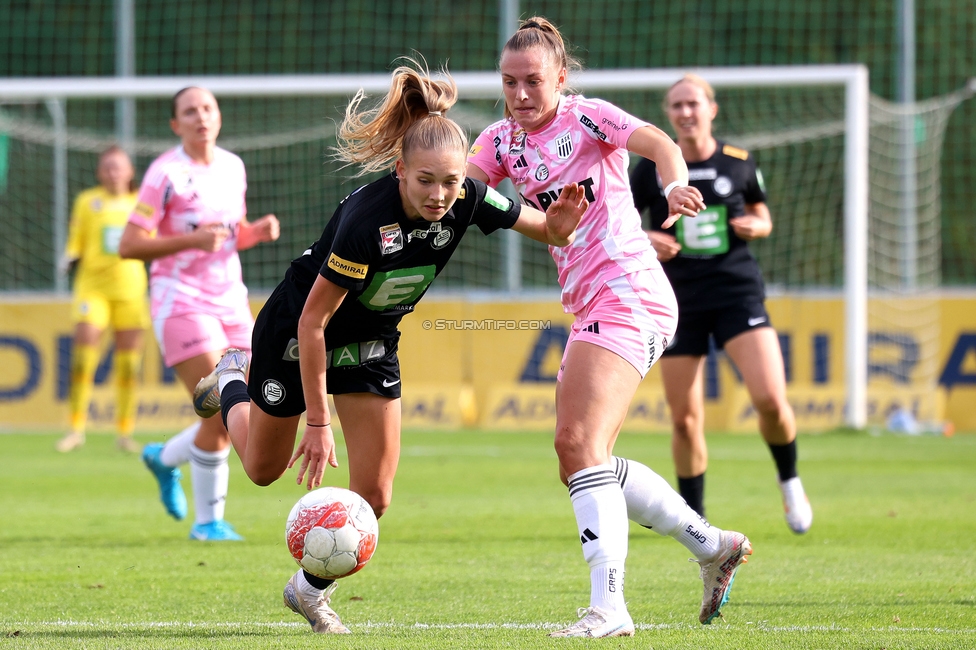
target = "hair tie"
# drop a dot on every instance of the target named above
(434, 113)
(531, 24)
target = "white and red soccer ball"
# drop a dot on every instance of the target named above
(331, 532)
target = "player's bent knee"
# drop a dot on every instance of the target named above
(576, 450)
(567, 443)
(263, 474)
(685, 426)
(378, 499)
(769, 405)
(263, 480)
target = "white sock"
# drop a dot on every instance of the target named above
(176, 451)
(607, 587)
(227, 377)
(210, 474)
(601, 517)
(654, 504)
(307, 590)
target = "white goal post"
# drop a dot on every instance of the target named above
(485, 85)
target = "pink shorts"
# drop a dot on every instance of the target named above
(634, 316)
(190, 335)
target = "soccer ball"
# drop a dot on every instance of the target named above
(331, 532)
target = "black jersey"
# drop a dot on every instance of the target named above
(714, 267)
(385, 259)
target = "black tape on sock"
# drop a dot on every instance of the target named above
(315, 581)
(234, 393)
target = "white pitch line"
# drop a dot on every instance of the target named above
(379, 625)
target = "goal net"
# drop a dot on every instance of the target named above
(798, 132)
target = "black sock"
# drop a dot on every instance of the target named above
(785, 458)
(315, 581)
(693, 491)
(234, 393)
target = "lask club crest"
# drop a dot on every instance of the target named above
(564, 146)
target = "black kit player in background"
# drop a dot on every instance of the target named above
(333, 320)
(720, 293)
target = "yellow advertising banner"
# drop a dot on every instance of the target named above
(35, 353)
(521, 407)
(921, 357)
(494, 365)
(426, 405)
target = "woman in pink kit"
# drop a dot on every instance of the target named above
(190, 222)
(625, 312)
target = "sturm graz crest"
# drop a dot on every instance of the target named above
(272, 391)
(722, 186)
(442, 238)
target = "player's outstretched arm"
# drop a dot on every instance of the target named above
(477, 173)
(557, 226)
(317, 446)
(654, 144)
(138, 243)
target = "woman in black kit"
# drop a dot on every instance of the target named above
(720, 293)
(340, 302)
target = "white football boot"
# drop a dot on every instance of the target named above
(206, 395)
(796, 506)
(71, 441)
(317, 612)
(596, 623)
(718, 573)
(128, 445)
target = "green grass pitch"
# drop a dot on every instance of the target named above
(479, 550)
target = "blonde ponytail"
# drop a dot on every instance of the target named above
(412, 115)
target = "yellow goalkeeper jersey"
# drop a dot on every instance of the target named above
(97, 221)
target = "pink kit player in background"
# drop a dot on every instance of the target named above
(177, 197)
(190, 222)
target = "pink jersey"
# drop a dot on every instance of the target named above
(585, 143)
(177, 196)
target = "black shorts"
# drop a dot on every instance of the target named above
(275, 380)
(723, 324)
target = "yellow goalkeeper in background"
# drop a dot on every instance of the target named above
(107, 291)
